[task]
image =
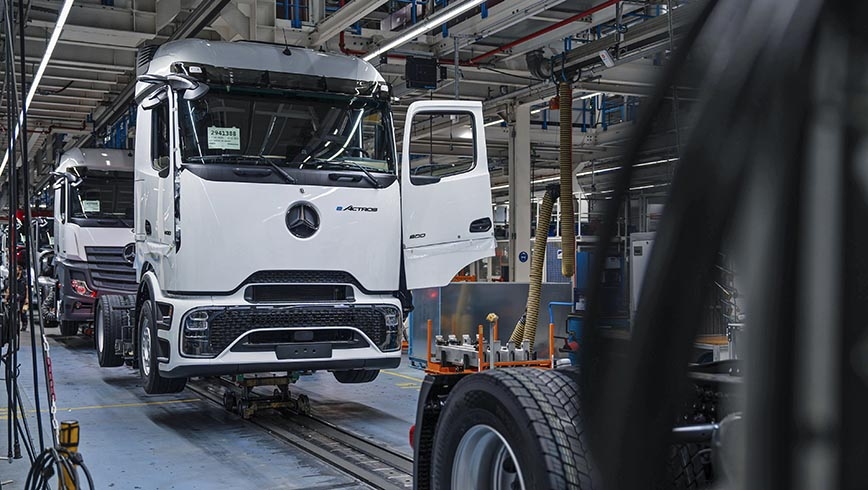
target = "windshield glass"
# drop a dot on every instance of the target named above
(102, 194)
(294, 129)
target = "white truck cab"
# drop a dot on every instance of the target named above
(276, 226)
(93, 231)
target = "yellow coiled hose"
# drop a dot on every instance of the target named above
(525, 329)
(568, 223)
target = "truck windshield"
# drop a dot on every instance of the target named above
(103, 198)
(231, 124)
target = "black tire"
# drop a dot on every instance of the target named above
(356, 376)
(146, 348)
(535, 414)
(105, 331)
(68, 328)
(688, 467)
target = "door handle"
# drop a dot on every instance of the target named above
(480, 225)
(147, 227)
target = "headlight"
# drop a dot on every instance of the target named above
(196, 334)
(392, 339)
(81, 289)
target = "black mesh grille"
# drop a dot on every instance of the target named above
(229, 324)
(302, 277)
(109, 269)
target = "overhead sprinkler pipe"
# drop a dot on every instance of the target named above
(526, 327)
(568, 222)
(545, 30)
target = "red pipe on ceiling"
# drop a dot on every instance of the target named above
(521, 40)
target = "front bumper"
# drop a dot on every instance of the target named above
(250, 336)
(99, 278)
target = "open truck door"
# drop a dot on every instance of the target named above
(446, 200)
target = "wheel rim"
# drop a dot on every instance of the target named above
(485, 460)
(146, 347)
(100, 335)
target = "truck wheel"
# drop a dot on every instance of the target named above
(153, 382)
(512, 429)
(68, 328)
(688, 467)
(105, 333)
(356, 375)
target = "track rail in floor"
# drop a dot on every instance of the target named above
(364, 460)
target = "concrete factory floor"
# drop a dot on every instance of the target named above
(132, 440)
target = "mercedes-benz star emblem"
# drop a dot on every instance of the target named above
(302, 220)
(130, 253)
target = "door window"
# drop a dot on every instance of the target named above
(442, 144)
(63, 202)
(160, 148)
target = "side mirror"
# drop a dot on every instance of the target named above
(189, 87)
(181, 82)
(161, 165)
(153, 100)
(196, 93)
(74, 180)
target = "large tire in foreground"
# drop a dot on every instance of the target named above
(106, 330)
(68, 328)
(356, 375)
(512, 428)
(688, 467)
(153, 383)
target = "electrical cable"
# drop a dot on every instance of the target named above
(495, 70)
(53, 460)
(57, 462)
(11, 318)
(33, 291)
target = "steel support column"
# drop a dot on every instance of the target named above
(519, 196)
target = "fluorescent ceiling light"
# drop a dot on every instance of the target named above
(493, 123)
(588, 96)
(52, 42)
(428, 24)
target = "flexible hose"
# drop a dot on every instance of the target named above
(568, 222)
(525, 329)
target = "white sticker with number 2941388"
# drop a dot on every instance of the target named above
(224, 138)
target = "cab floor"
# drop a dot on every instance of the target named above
(131, 440)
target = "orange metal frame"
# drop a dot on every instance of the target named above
(438, 368)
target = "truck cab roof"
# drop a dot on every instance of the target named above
(98, 159)
(255, 56)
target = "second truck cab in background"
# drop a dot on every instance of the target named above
(93, 230)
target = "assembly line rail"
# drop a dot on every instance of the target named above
(354, 455)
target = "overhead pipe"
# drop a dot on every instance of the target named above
(545, 30)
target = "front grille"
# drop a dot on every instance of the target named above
(302, 277)
(297, 293)
(231, 323)
(109, 269)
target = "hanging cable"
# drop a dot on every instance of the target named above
(11, 323)
(31, 246)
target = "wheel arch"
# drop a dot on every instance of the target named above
(432, 396)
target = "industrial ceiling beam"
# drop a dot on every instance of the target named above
(502, 16)
(332, 25)
(200, 18)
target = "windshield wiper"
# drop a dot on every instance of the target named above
(258, 158)
(283, 173)
(349, 163)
